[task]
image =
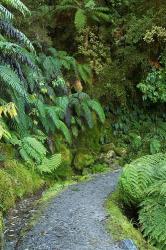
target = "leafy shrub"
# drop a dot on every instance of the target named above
(153, 87)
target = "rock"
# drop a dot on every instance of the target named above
(107, 147)
(83, 160)
(127, 244)
(108, 158)
(120, 151)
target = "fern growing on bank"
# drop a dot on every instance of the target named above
(143, 185)
(137, 177)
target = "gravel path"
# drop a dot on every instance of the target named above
(75, 219)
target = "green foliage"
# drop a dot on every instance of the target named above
(17, 4)
(11, 79)
(80, 19)
(153, 88)
(50, 165)
(85, 11)
(137, 177)
(31, 148)
(142, 185)
(140, 132)
(121, 227)
(16, 181)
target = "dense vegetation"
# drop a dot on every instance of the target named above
(72, 59)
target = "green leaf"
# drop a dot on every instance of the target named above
(80, 19)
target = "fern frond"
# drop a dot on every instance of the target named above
(152, 217)
(95, 106)
(80, 19)
(4, 131)
(32, 149)
(8, 109)
(51, 164)
(137, 177)
(11, 79)
(5, 14)
(12, 32)
(85, 72)
(17, 4)
(87, 114)
(16, 52)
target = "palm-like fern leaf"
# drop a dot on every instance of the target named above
(16, 52)
(8, 29)
(95, 106)
(5, 14)
(11, 79)
(17, 4)
(51, 164)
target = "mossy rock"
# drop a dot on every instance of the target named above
(120, 151)
(83, 160)
(107, 147)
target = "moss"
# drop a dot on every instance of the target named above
(7, 195)
(24, 181)
(83, 160)
(90, 138)
(100, 168)
(7, 151)
(65, 169)
(1, 231)
(120, 227)
(15, 182)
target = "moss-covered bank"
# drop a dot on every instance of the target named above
(16, 181)
(120, 226)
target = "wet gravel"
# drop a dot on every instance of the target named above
(75, 219)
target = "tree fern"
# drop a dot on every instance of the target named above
(85, 11)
